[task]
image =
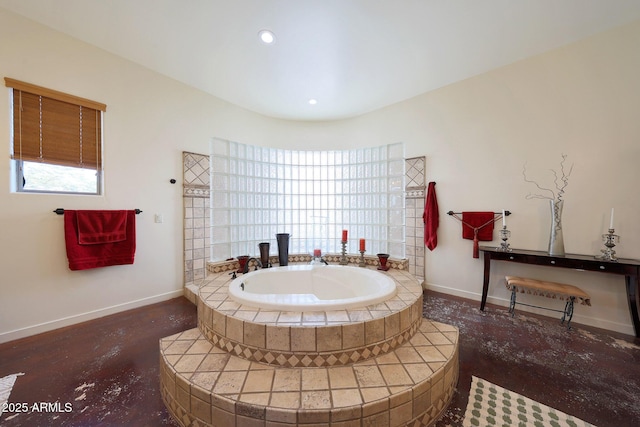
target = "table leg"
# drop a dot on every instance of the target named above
(485, 281)
(632, 297)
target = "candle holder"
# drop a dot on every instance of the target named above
(343, 257)
(362, 263)
(610, 240)
(383, 258)
(504, 236)
(242, 262)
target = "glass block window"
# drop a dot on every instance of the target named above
(258, 192)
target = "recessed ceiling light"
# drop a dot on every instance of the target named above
(313, 101)
(267, 37)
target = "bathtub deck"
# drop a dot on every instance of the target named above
(295, 337)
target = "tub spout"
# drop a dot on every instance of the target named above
(246, 266)
(318, 260)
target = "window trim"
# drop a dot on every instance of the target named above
(54, 94)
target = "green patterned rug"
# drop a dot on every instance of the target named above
(491, 405)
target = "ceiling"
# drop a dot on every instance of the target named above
(353, 56)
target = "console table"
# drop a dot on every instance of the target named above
(629, 268)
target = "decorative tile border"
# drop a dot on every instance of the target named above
(196, 191)
(289, 359)
(415, 194)
(353, 260)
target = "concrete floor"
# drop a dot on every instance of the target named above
(107, 369)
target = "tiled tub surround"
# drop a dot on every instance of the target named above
(380, 365)
(191, 289)
(317, 338)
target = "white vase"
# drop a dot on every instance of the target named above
(556, 241)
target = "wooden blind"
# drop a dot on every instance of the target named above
(57, 128)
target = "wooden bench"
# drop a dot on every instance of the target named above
(561, 291)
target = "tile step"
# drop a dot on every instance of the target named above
(203, 385)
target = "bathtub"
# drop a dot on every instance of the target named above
(312, 288)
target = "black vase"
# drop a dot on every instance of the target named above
(264, 254)
(283, 248)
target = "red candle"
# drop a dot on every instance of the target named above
(317, 253)
(344, 235)
(362, 244)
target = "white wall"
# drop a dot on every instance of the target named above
(149, 121)
(581, 100)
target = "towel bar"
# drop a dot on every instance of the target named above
(60, 211)
(507, 213)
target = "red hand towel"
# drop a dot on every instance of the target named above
(430, 218)
(96, 227)
(477, 226)
(471, 220)
(94, 255)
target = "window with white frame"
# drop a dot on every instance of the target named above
(56, 141)
(258, 192)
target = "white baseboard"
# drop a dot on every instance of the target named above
(83, 317)
(577, 318)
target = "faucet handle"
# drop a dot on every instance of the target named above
(233, 275)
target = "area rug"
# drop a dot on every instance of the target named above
(6, 384)
(491, 405)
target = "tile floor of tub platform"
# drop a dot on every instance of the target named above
(408, 386)
(108, 368)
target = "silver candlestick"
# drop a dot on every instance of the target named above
(362, 263)
(343, 257)
(504, 236)
(610, 240)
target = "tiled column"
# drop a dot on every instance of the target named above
(414, 202)
(196, 182)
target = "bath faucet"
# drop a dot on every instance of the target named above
(246, 266)
(318, 260)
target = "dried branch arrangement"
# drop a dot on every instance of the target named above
(561, 180)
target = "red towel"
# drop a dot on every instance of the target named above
(430, 218)
(90, 252)
(477, 226)
(96, 227)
